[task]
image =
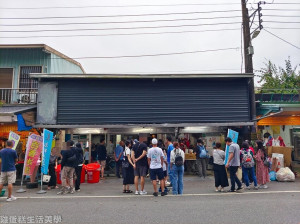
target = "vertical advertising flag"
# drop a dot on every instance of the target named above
(14, 138)
(47, 146)
(234, 137)
(33, 151)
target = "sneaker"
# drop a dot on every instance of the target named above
(155, 194)
(163, 193)
(137, 193)
(256, 188)
(167, 183)
(61, 192)
(222, 190)
(12, 198)
(265, 187)
(143, 192)
(240, 190)
(231, 191)
(250, 183)
(77, 190)
(248, 188)
(72, 191)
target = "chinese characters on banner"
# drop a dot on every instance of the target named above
(47, 143)
(14, 138)
(33, 151)
(234, 137)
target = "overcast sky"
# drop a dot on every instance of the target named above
(188, 19)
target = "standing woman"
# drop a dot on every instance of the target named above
(262, 171)
(177, 166)
(127, 166)
(219, 168)
(247, 163)
(52, 167)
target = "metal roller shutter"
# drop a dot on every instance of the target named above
(148, 101)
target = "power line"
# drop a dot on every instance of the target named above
(153, 55)
(128, 6)
(119, 28)
(279, 22)
(288, 16)
(283, 28)
(288, 10)
(115, 6)
(122, 34)
(281, 39)
(130, 15)
(116, 22)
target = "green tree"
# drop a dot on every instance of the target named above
(276, 79)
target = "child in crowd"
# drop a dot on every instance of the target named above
(86, 156)
(165, 171)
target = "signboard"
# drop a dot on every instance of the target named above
(14, 138)
(33, 151)
(234, 137)
(47, 146)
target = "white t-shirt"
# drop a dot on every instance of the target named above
(155, 155)
(164, 164)
(126, 152)
(173, 155)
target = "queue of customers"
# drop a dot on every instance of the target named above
(135, 161)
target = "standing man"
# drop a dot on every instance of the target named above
(201, 162)
(68, 164)
(8, 158)
(119, 157)
(169, 149)
(78, 168)
(101, 151)
(233, 164)
(139, 157)
(155, 162)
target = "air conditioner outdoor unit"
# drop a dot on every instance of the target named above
(27, 98)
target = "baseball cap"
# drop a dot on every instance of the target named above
(154, 141)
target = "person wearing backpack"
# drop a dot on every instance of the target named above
(201, 158)
(177, 166)
(68, 163)
(247, 162)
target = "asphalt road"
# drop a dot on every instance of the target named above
(278, 204)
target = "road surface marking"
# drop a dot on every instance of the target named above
(150, 195)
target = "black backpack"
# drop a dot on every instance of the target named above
(178, 158)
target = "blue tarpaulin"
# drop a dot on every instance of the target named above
(21, 124)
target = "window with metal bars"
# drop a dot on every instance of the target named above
(25, 81)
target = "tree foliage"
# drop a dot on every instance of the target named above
(276, 79)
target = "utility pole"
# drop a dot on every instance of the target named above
(248, 52)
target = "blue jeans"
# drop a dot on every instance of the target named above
(246, 178)
(177, 179)
(170, 174)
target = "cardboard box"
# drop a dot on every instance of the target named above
(190, 156)
(286, 151)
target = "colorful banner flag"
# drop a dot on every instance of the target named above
(33, 151)
(14, 138)
(234, 137)
(47, 146)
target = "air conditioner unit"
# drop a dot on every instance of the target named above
(26, 98)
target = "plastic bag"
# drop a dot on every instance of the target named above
(285, 174)
(272, 175)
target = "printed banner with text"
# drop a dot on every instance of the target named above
(33, 151)
(14, 138)
(47, 146)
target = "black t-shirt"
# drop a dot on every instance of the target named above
(101, 151)
(138, 149)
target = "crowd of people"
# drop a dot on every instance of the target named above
(134, 161)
